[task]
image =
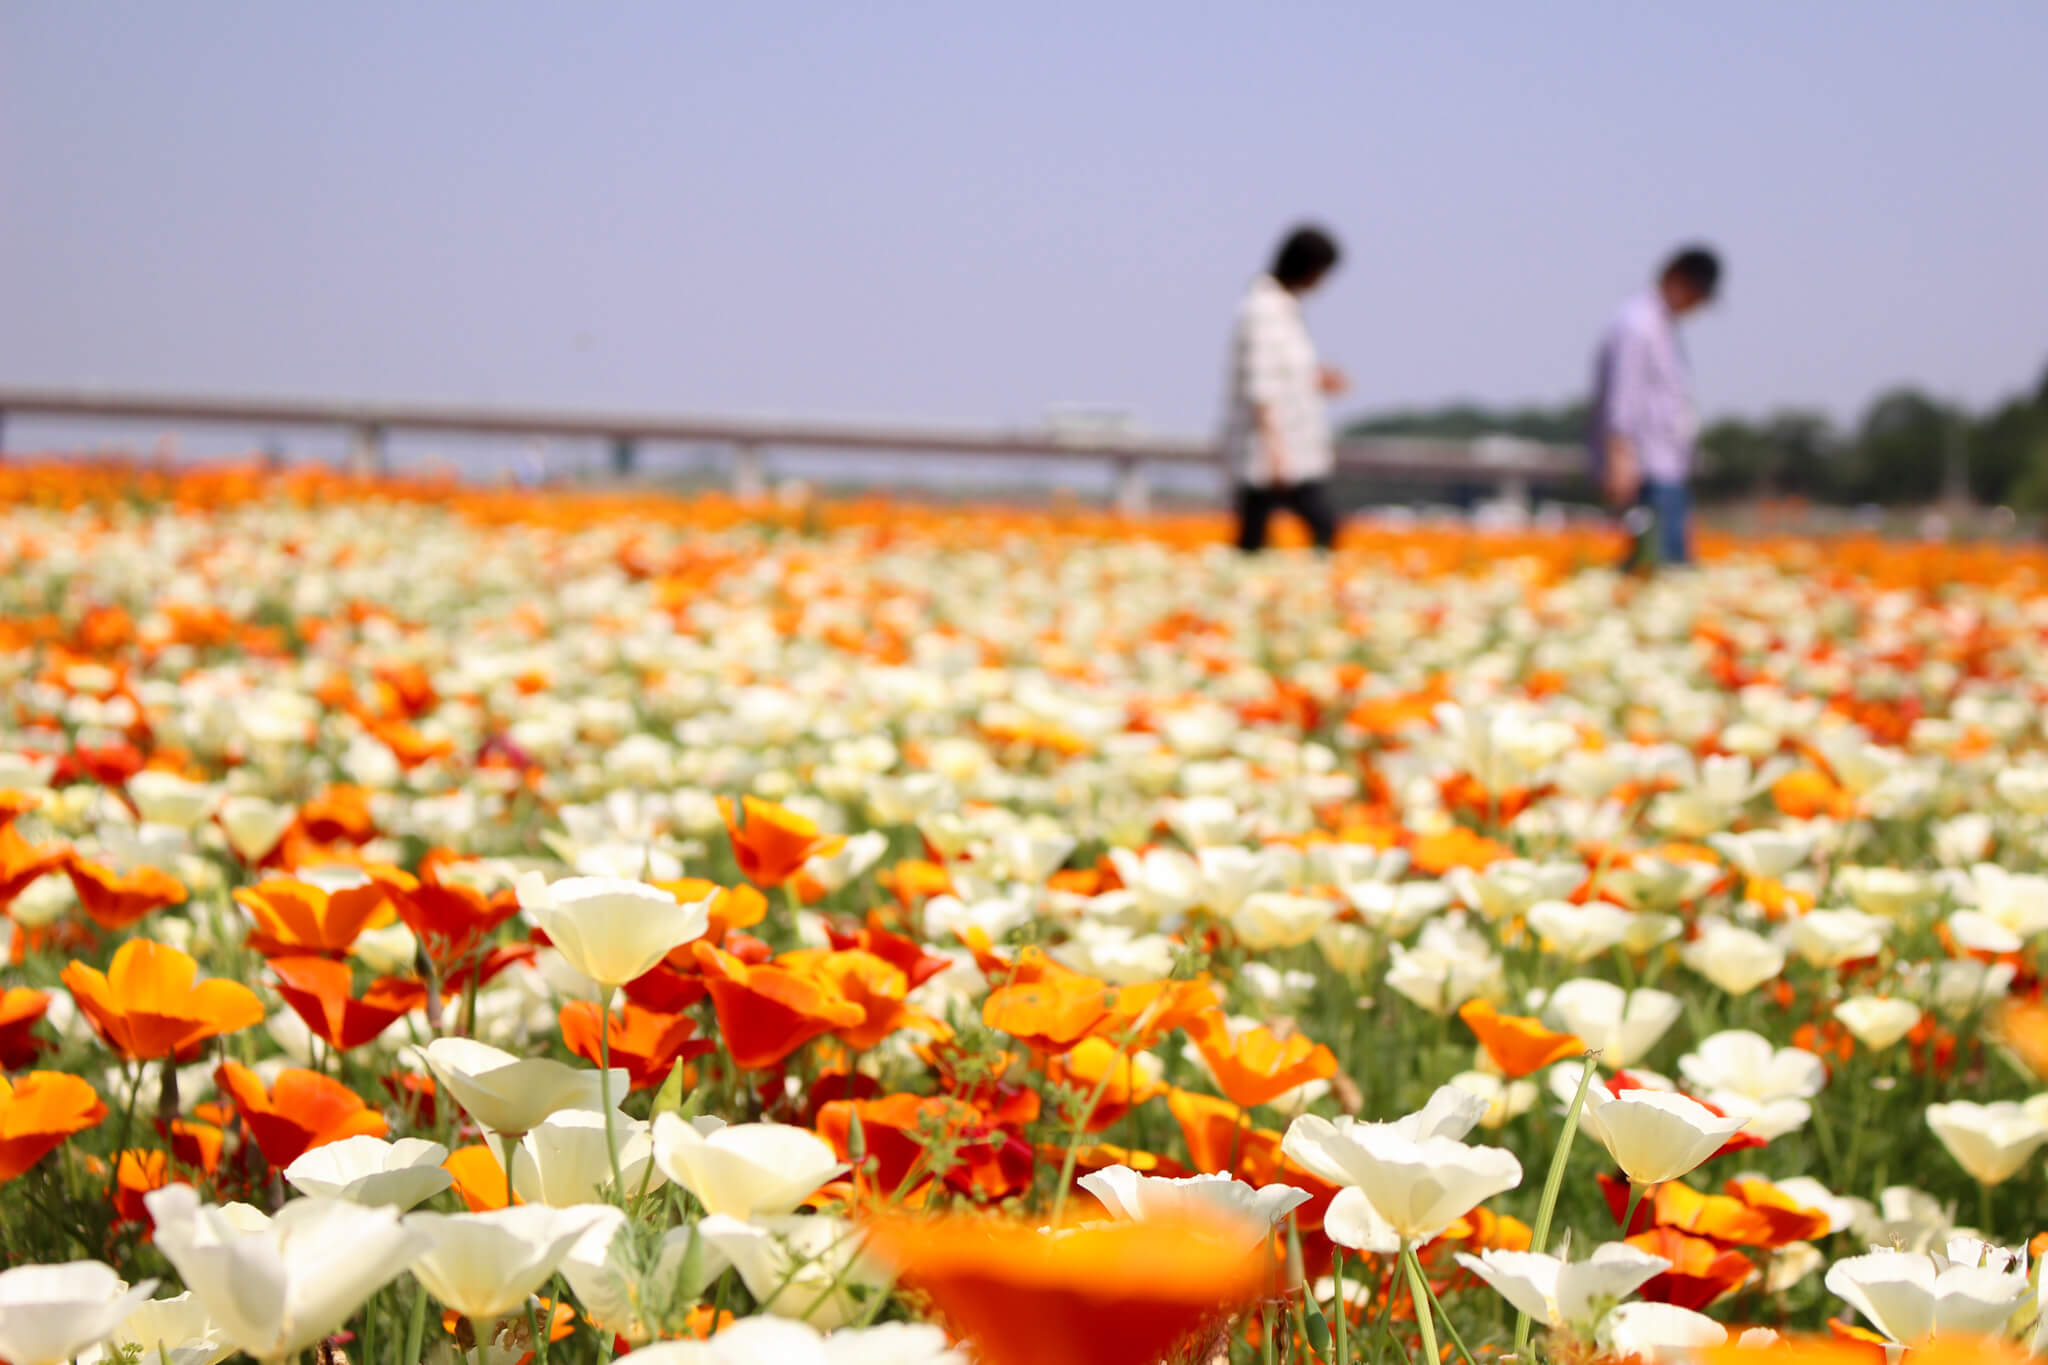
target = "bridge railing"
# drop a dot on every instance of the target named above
(1509, 466)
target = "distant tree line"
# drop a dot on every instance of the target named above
(1907, 448)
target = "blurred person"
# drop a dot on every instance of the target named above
(1642, 420)
(1276, 440)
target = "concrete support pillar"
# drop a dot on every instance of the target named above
(749, 478)
(367, 455)
(625, 456)
(1133, 494)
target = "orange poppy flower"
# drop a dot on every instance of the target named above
(21, 1007)
(1104, 1294)
(1701, 1271)
(914, 880)
(668, 987)
(1518, 1045)
(38, 1112)
(732, 907)
(1806, 793)
(1258, 1066)
(1220, 1137)
(647, 1043)
(148, 1005)
(766, 1012)
(116, 900)
(21, 862)
(1052, 1012)
(1675, 1204)
(983, 1081)
(449, 919)
(1436, 854)
(341, 814)
(1140, 1015)
(1095, 1062)
(1787, 1219)
(770, 841)
(478, 1177)
(137, 1172)
(322, 992)
(876, 985)
(1099, 1155)
(899, 1133)
(16, 803)
(905, 954)
(197, 1145)
(2022, 1025)
(303, 1111)
(1848, 1345)
(294, 917)
(1484, 1228)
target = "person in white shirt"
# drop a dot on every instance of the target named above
(1642, 423)
(1276, 438)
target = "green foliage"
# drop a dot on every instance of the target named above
(1899, 452)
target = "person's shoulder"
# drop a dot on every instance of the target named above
(1263, 295)
(1641, 312)
(1634, 320)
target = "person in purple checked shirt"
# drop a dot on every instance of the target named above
(1642, 424)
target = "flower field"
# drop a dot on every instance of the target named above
(464, 925)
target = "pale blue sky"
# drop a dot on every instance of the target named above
(972, 212)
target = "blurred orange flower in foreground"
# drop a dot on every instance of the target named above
(147, 1004)
(1103, 1294)
(38, 1112)
(1947, 1350)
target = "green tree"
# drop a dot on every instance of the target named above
(1901, 448)
(2004, 447)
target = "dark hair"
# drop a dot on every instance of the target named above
(1308, 254)
(1698, 266)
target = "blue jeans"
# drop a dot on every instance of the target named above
(1671, 505)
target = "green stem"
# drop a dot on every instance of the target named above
(1059, 1197)
(1635, 1199)
(535, 1335)
(1419, 1293)
(1540, 1240)
(1457, 1342)
(604, 1092)
(127, 1121)
(510, 1146)
(415, 1330)
(1342, 1326)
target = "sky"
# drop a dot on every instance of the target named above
(974, 213)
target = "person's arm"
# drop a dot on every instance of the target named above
(1626, 401)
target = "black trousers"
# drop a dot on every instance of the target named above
(1309, 500)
